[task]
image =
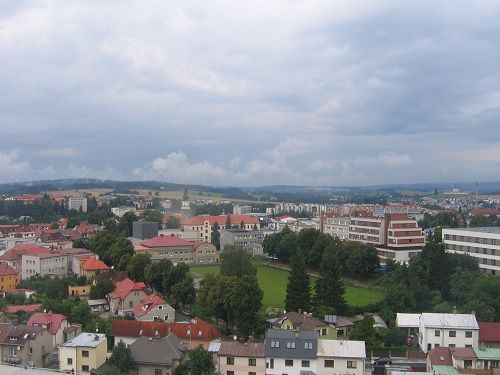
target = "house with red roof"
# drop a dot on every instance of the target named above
(194, 333)
(13, 309)
(177, 250)
(57, 325)
(154, 308)
(90, 266)
(489, 334)
(13, 257)
(203, 224)
(126, 296)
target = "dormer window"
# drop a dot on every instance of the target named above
(160, 307)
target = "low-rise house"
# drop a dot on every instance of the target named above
(126, 296)
(9, 277)
(488, 359)
(408, 322)
(194, 333)
(25, 345)
(289, 352)
(234, 357)
(448, 330)
(57, 326)
(158, 355)
(79, 290)
(489, 334)
(445, 361)
(153, 308)
(84, 353)
(13, 309)
(98, 305)
(340, 357)
(90, 266)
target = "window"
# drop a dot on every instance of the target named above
(451, 345)
(272, 344)
(437, 333)
(306, 363)
(271, 363)
(85, 353)
(85, 368)
(453, 333)
(468, 346)
(30, 351)
(160, 307)
(494, 364)
(468, 334)
(165, 318)
(289, 362)
(158, 371)
(230, 360)
(467, 363)
(324, 332)
(130, 304)
(252, 362)
(436, 346)
(229, 372)
(351, 364)
(329, 363)
(69, 361)
(252, 373)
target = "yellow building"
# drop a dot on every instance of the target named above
(9, 277)
(85, 352)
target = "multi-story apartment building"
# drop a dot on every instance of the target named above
(85, 352)
(336, 226)
(203, 224)
(481, 243)
(9, 277)
(77, 203)
(47, 264)
(250, 240)
(178, 250)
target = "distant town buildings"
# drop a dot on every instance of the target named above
(77, 203)
(144, 229)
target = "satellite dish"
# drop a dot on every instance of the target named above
(235, 337)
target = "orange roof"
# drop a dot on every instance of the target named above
(6, 270)
(52, 321)
(221, 220)
(28, 308)
(93, 264)
(18, 250)
(166, 241)
(147, 304)
(123, 288)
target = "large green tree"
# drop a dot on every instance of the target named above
(122, 358)
(101, 289)
(236, 261)
(246, 300)
(298, 291)
(156, 272)
(329, 288)
(121, 247)
(137, 266)
(154, 215)
(216, 235)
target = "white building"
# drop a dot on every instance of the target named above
(482, 243)
(340, 357)
(85, 352)
(47, 264)
(336, 227)
(77, 203)
(120, 211)
(448, 330)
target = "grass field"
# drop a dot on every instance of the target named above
(273, 282)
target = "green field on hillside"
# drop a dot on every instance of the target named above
(273, 282)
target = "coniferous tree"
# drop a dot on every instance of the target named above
(329, 288)
(298, 292)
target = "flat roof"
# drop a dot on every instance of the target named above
(494, 230)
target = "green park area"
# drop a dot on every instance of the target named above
(273, 282)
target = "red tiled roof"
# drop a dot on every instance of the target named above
(221, 219)
(463, 353)
(6, 270)
(93, 264)
(197, 329)
(27, 308)
(52, 321)
(489, 332)
(123, 288)
(166, 241)
(18, 250)
(147, 304)
(436, 354)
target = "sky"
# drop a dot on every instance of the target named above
(250, 93)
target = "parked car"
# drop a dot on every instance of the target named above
(382, 361)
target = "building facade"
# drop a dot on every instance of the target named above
(85, 352)
(77, 203)
(203, 224)
(481, 243)
(250, 240)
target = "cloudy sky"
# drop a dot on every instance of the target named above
(251, 92)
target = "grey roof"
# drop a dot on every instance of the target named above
(158, 351)
(86, 340)
(460, 321)
(495, 230)
(97, 302)
(282, 343)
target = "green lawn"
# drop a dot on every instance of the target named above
(273, 282)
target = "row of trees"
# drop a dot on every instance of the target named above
(354, 259)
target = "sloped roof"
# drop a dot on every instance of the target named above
(220, 219)
(93, 264)
(440, 356)
(460, 321)
(147, 304)
(237, 349)
(158, 350)
(166, 241)
(17, 251)
(489, 331)
(123, 288)
(341, 348)
(52, 321)
(284, 343)
(28, 308)
(463, 353)
(407, 320)
(491, 354)
(22, 333)
(6, 270)
(302, 321)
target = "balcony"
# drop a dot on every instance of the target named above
(12, 359)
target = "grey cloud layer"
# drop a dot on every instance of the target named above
(251, 93)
